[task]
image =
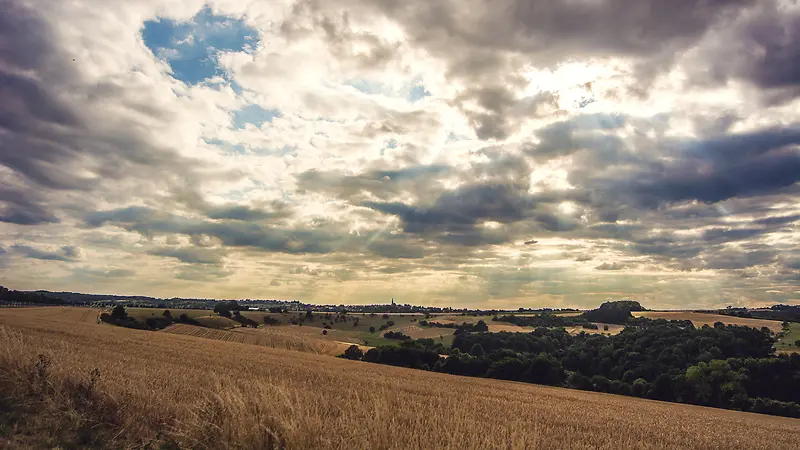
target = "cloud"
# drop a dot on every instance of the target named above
(68, 253)
(611, 266)
(190, 255)
(190, 47)
(402, 149)
(760, 49)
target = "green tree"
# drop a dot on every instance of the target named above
(119, 312)
(354, 352)
(477, 350)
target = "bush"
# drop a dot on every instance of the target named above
(353, 352)
(118, 312)
(271, 321)
(476, 350)
(371, 329)
(396, 335)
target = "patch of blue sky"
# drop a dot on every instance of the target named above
(191, 48)
(367, 87)
(417, 92)
(255, 115)
(225, 145)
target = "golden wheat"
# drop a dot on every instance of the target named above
(260, 337)
(131, 388)
(700, 319)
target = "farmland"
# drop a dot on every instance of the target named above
(700, 319)
(210, 393)
(787, 343)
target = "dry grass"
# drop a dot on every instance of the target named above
(254, 336)
(700, 319)
(418, 332)
(218, 322)
(155, 388)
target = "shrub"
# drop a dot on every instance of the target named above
(119, 312)
(396, 335)
(271, 321)
(476, 350)
(353, 352)
(371, 329)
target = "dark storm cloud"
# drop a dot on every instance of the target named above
(147, 221)
(762, 49)
(23, 207)
(247, 213)
(461, 209)
(707, 170)
(326, 239)
(66, 253)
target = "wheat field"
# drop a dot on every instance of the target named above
(74, 383)
(700, 319)
(254, 336)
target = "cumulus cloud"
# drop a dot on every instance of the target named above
(68, 253)
(376, 149)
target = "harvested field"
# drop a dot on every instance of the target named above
(418, 332)
(700, 319)
(222, 323)
(103, 386)
(500, 326)
(258, 337)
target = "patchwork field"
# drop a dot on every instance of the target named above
(700, 319)
(72, 382)
(787, 344)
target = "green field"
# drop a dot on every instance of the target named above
(346, 329)
(787, 342)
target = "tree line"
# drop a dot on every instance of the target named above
(723, 366)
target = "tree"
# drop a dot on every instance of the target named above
(309, 314)
(223, 309)
(476, 350)
(797, 343)
(480, 326)
(167, 314)
(324, 331)
(119, 312)
(371, 329)
(605, 327)
(353, 352)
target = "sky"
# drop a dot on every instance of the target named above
(471, 153)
